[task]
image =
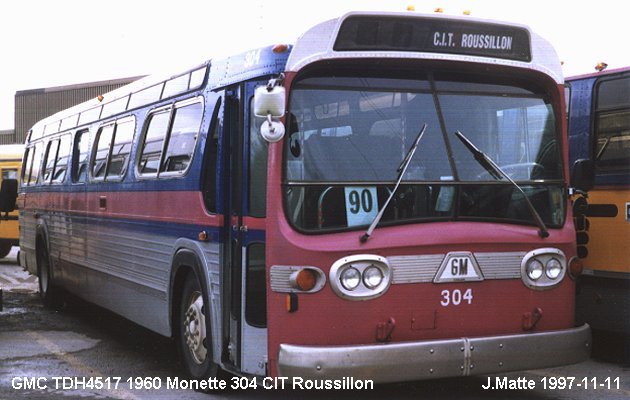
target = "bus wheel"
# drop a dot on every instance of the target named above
(5, 249)
(194, 342)
(48, 292)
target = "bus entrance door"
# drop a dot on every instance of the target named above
(247, 189)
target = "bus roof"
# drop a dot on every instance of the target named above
(223, 72)
(598, 74)
(322, 41)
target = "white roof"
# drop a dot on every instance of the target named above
(317, 44)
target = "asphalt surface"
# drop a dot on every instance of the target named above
(85, 352)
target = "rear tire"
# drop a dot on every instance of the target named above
(48, 291)
(5, 249)
(194, 340)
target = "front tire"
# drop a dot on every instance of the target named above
(194, 336)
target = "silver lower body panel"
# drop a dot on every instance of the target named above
(410, 361)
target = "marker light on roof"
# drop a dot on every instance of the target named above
(280, 48)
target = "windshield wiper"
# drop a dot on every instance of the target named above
(494, 170)
(402, 168)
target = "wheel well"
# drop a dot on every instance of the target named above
(178, 282)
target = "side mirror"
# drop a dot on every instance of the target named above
(8, 195)
(583, 175)
(269, 103)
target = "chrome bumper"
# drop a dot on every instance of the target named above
(410, 361)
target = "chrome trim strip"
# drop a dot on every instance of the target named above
(506, 265)
(410, 361)
(423, 268)
(414, 269)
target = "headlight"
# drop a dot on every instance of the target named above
(372, 277)
(534, 270)
(350, 278)
(360, 277)
(553, 269)
(543, 269)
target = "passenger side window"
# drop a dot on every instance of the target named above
(181, 141)
(61, 166)
(49, 160)
(79, 156)
(153, 142)
(170, 138)
(36, 164)
(612, 126)
(26, 168)
(121, 148)
(102, 144)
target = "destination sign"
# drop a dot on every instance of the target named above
(374, 33)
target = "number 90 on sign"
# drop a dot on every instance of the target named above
(361, 205)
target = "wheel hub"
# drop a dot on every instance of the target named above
(195, 328)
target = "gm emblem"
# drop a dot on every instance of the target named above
(458, 267)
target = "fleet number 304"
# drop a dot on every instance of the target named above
(456, 297)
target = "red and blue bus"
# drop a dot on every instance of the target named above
(386, 199)
(599, 130)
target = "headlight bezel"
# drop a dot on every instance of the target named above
(544, 257)
(361, 263)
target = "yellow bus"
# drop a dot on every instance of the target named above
(10, 167)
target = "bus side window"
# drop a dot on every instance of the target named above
(10, 173)
(209, 167)
(26, 166)
(149, 160)
(36, 164)
(102, 145)
(182, 138)
(79, 156)
(61, 166)
(49, 160)
(612, 126)
(121, 148)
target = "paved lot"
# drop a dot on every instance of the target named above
(85, 352)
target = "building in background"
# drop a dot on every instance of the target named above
(35, 104)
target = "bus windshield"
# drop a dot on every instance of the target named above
(348, 136)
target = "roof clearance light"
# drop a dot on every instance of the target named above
(100, 97)
(411, 8)
(601, 66)
(280, 48)
(439, 10)
(466, 12)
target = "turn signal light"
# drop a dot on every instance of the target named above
(575, 267)
(305, 279)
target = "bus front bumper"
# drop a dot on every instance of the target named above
(410, 361)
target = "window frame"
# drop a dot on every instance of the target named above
(598, 112)
(107, 177)
(171, 108)
(51, 142)
(75, 164)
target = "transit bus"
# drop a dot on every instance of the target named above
(384, 200)
(599, 129)
(10, 166)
